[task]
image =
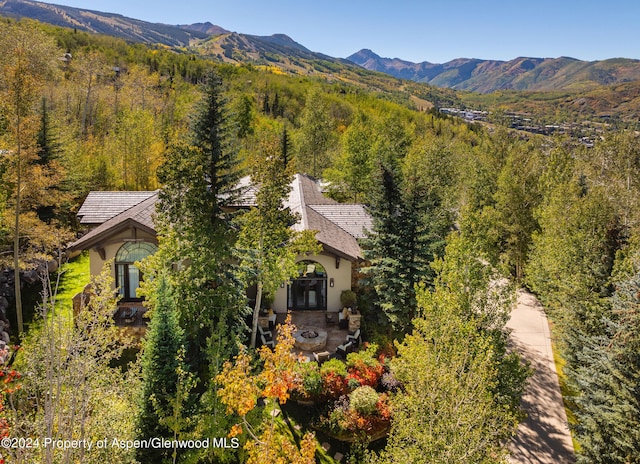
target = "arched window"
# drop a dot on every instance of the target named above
(309, 289)
(128, 276)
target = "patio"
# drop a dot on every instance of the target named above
(319, 322)
(130, 315)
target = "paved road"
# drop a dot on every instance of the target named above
(544, 436)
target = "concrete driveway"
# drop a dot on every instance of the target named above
(544, 436)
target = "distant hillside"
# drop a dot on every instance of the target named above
(204, 28)
(277, 53)
(278, 50)
(608, 89)
(604, 103)
(101, 23)
(518, 74)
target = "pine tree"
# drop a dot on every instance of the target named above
(382, 249)
(409, 228)
(285, 147)
(48, 147)
(245, 117)
(212, 133)
(161, 365)
(607, 375)
(196, 235)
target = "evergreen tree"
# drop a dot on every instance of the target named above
(161, 365)
(410, 223)
(285, 147)
(196, 235)
(212, 133)
(195, 247)
(607, 372)
(277, 110)
(245, 117)
(55, 204)
(48, 147)
(382, 249)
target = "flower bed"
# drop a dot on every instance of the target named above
(355, 398)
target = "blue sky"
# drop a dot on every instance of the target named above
(415, 30)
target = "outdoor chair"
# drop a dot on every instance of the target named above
(344, 349)
(355, 337)
(272, 321)
(270, 343)
(321, 356)
(265, 333)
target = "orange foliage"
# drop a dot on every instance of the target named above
(8, 386)
(278, 374)
(240, 390)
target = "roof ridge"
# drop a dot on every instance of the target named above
(154, 194)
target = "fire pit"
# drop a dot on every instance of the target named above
(311, 339)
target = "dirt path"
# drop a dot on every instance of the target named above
(544, 436)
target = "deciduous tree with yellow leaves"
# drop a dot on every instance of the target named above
(240, 390)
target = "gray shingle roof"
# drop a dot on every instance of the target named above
(338, 225)
(352, 218)
(99, 207)
(247, 195)
(140, 215)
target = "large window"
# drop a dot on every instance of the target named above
(128, 276)
(309, 290)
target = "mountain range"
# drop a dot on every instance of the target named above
(521, 73)
(281, 53)
(101, 23)
(204, 38)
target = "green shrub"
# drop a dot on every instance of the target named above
(334, 382)
(364, 400)
(310, 379)
(334, 366)
(348, 298)
(366, 356)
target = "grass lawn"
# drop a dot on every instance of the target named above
(75, 276)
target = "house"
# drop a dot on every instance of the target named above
(123, 230)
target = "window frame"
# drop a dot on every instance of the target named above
(126, 257)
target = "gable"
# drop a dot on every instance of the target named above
(138, 217)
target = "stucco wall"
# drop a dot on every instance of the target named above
(111, 247)
(341, 278)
